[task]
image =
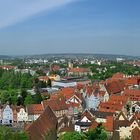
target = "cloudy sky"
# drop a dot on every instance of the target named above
(69, 26)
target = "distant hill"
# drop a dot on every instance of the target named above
(73, 55)
(82, 55)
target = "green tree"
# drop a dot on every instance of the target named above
(71, 136)
(28, 100)
(7, 133)
(98, 133)
(37, 98)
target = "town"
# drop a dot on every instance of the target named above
(80, 97)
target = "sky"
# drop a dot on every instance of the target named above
(69, 26)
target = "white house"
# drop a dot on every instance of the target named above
(7, 115)
(34, 111)
(22, 116)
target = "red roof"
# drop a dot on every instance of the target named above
(34, 109)
(114, 86)
(43, 125)
(87, 114)
(94, 125)
(132, 80)
(118, 75)
(134, 95)
(109, 123)
(56, 105)
(7, 67)
(110, 107)
(78, 70)
(118, 99)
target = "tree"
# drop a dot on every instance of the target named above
(98, 133)
(37, 98)
(28, 100)
(7, 133)
(71, 136)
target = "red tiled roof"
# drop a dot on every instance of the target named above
(73, 105)
(94, 125)
(35, 109)
(43, 125)
(134, 95)
(56, 105)
(87, 114)
(114, 86)
(132, 80)
(7, 67)
(110, 107)
(78, 70)
(118, 99)
(109, 125)
(118, 75)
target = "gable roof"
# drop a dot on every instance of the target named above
(114, 86)
(121, 114)
(43, 125)
(88, 114)
(56, 105)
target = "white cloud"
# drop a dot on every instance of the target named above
(14, 11)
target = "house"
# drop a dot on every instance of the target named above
(133, 82)
(45, 127)
(65, 125)
(7, 115)
(22, 115)
(34, 111)
(101, 117)
(92, 101)
(85, 121)
(114, 86)
(82, 126)
(58, 106)
(79, 71)
(116, 104)
(87, 116)
(73, 100)
(125, 126)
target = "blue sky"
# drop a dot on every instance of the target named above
(69, 26)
